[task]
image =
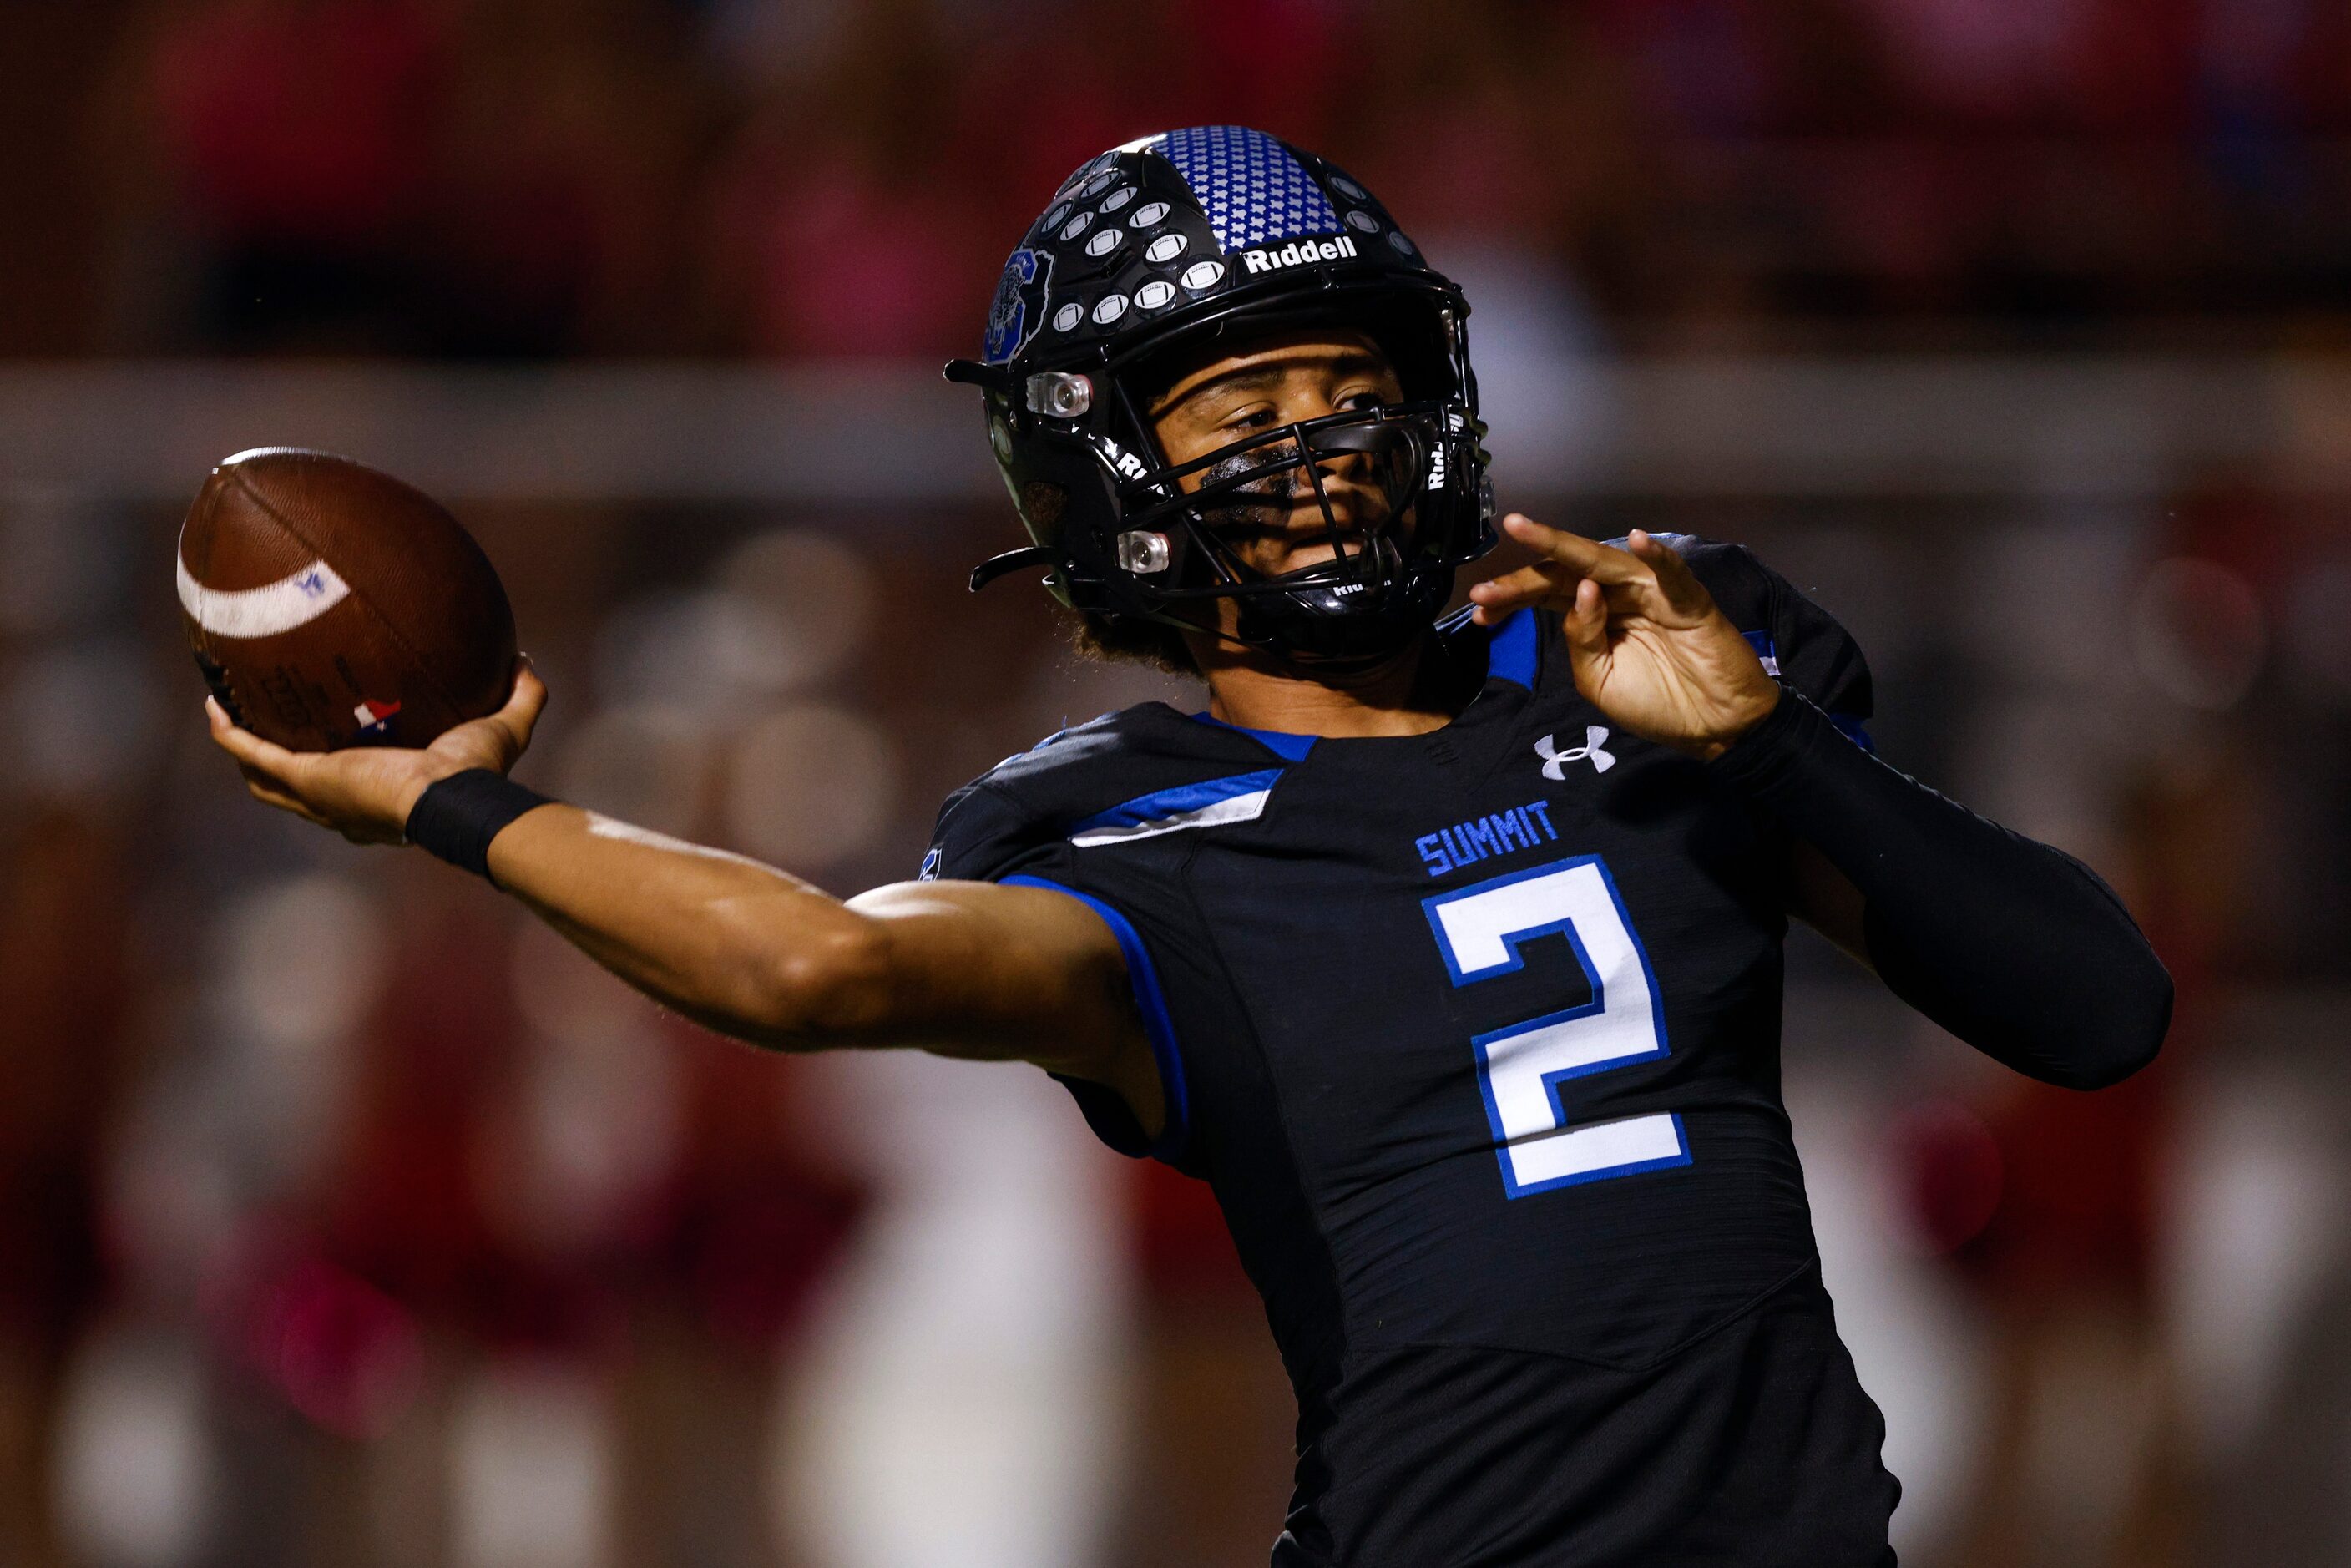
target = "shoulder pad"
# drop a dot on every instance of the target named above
(1034, 800)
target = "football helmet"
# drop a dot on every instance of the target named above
(1161, 247)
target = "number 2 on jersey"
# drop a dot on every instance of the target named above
(1522, 1069)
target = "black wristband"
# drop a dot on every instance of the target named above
(457, 817)
(1778, 745)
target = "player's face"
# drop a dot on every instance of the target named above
(1275, 524)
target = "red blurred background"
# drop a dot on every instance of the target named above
(344, 1220)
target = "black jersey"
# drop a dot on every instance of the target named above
(1476, 1034)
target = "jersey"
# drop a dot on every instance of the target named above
(1476, 1035)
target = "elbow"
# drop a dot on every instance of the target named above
(2105, 1063)
(830, 991)
(2128, 1034)
(2071, 995)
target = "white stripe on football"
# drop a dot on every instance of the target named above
(294, 599)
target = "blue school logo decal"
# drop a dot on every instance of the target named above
(1019, 308)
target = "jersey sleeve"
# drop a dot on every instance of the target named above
(986, 833)
(1817, 656)
(1801, 644)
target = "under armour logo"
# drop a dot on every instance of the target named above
(1592, 750)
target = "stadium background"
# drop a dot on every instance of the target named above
(344, 1220)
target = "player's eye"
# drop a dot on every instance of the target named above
(1357, 402)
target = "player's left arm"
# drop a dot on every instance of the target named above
(2013, 945)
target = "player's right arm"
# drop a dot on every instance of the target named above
(959, 969)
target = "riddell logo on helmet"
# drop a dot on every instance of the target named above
(1299, 253)
(1127, 463)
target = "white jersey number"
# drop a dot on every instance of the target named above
(1521, 1067)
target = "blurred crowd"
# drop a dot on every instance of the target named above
(546, 177)
(346, 1217)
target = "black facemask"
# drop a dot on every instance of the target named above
(1370, 474)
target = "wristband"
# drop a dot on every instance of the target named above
(1775, 746)
(456, 817)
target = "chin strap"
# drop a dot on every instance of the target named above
(972, 373)
(996, 566)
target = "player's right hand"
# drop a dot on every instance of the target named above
(1650, 646)
(366, 792)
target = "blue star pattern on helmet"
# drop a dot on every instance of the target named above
(1252, 187)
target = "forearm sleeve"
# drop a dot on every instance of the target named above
(2015, 947)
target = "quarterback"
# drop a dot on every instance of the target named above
(1448, 948)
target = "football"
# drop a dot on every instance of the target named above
(330, 605)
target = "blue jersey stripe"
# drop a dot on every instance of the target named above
(1510, 656)
(1156, 1024)
(1162, 804)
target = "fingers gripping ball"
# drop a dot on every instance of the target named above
(330, 605)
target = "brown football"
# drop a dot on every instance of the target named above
(330, 605)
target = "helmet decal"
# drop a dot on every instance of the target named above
(1019, 308)
(1252, 187)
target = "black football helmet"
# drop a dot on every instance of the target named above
(1160, 245)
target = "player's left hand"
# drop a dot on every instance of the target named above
(1650, 646)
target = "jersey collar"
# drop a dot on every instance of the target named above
(1289, 748)
(1511, 653)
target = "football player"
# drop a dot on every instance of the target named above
(1449, 951)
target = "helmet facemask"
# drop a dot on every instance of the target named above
(1377, 481)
